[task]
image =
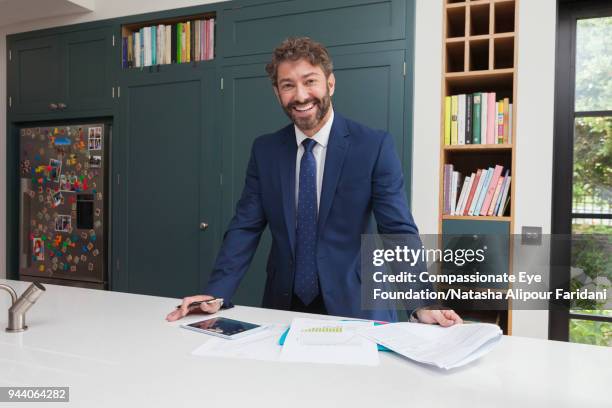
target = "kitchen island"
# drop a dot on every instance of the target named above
(116, 349)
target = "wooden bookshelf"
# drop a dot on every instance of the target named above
(132, 28)
(479, 44)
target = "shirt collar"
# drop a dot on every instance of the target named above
(321, 137)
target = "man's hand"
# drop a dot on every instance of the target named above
(444, 318)
(184, 310)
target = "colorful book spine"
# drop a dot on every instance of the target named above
(499, 210)
(476, 120)
(484, 105)
(496, 195)
(510, 129)
(483, 191)
(469, 105)
(211, 39)
(473, 188)
(461, 120)
(500, 122)
(454, 121)
(491, 119)
(448, 170)
(481, 180)
(447, 120)
(506, 115)
(462, 196)
(491, 189)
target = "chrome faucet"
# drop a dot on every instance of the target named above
(19, 306)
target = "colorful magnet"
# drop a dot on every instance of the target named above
(39, 249)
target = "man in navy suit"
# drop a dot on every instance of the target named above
(315, 183)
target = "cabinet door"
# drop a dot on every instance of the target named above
(251, 109)
(35, 78)
(87, 68)
(166, 184)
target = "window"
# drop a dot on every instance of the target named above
(582, 196)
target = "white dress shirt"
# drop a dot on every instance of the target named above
(319, 152)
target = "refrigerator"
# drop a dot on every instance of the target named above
(63, 204)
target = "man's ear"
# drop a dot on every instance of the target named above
(331, 83)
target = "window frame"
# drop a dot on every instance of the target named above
(568, 12)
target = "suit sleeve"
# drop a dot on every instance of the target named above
(390, 206)
(241, 238)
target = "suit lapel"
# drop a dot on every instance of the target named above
(287, 173)
(334, 159)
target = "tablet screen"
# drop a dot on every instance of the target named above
(224, 326)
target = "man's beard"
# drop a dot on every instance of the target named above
(321, 105)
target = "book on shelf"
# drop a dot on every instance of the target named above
(454, 122)
(476, 122)
(482, 193)
(169, 43)
(477, 119)
(447, 120)
(468, 118)
(461, 120)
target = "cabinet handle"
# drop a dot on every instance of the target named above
(203, 226)
(62, 106)
(53, 106)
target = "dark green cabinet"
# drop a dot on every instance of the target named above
(165, 183)
(256, 28)
(61, 74)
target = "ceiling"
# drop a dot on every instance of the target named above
(19, 11)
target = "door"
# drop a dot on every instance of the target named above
(251, 109)
(36, 81)
(166, 183)
(87, 55)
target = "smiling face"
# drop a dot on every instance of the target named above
(305, 94)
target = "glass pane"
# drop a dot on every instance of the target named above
(593, 62)
(590, 332)
(592, 184)
(592, 263)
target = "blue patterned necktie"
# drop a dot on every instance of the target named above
(306, 280)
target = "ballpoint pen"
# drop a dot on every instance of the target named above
(199, 302)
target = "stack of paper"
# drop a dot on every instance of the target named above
(329, 342)
(442, 347)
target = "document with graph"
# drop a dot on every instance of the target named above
(446, 348)
(329, 342)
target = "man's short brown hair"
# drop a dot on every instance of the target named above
(296, 48)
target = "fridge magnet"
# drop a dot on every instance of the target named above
(69, 258)
(92, 233)
(76, 260)
(32, 193)
(83, 235)
(39, 249)
(98, 224)
(90, 246)
(83, 258)
(55, 168)
(95, 252)
(62, 266)
(41, 268)
(95, 162)
(90, 267)
(99, 196)
(71, 160)
(26, 167)
(63, 223)
(94, 141)
(40, 215)
(41, 198)
(44, 229)
(73, 268)
(98, 212)
(57, 198)
(63, 183)
(62, 141)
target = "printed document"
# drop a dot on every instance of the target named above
(329, 342)
(442, 347)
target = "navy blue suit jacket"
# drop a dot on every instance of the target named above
(362, 175)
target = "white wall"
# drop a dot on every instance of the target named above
(534, 116)
(534, 127)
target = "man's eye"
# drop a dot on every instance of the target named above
(286, 87)
(310, 82)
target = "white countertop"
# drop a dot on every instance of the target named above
(116, 349)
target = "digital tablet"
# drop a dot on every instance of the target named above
(224, 327)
